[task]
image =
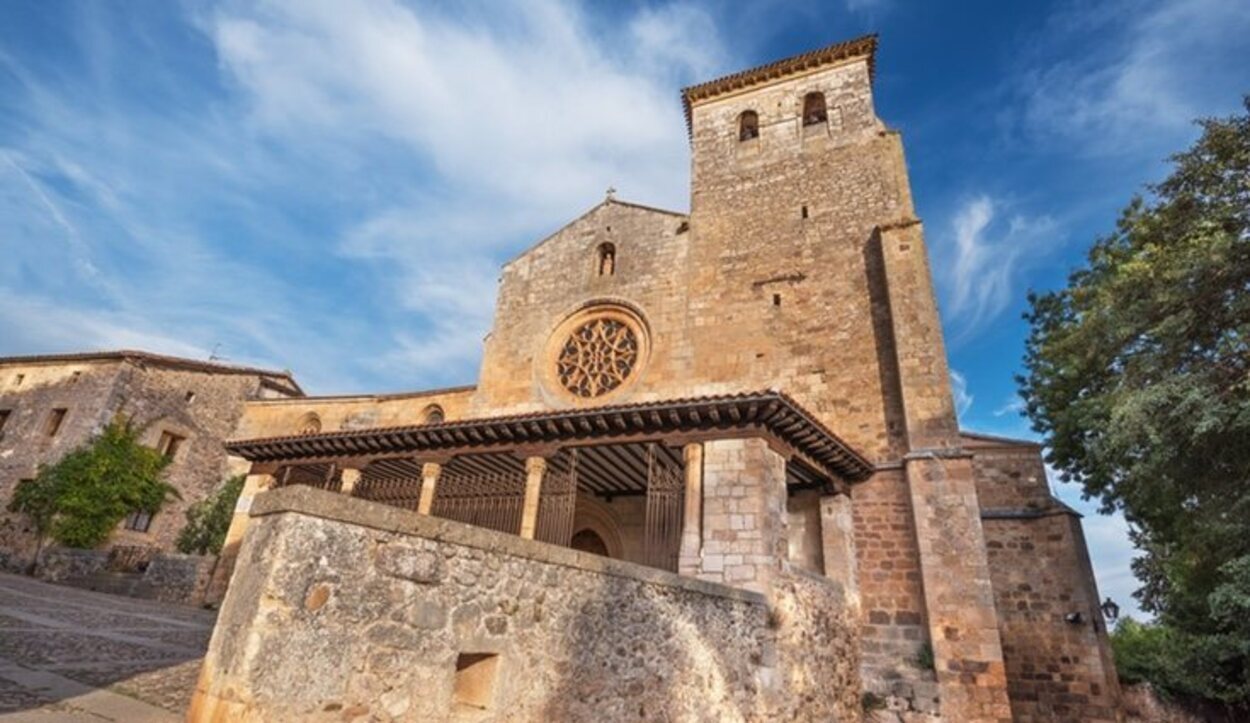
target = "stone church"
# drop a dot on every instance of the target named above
(711, 470)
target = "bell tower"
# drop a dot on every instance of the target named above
(809, 274)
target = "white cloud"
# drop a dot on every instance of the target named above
(959, 388)
(523, 107)
(980, 263)
(1132, 76)
(335, 193)
(520, 117)
(1013, 406)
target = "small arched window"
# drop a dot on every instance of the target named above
(814, 111)
(433, 414)
(748, 125)
(310, 423)
(607, 259)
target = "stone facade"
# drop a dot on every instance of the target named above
(1059, 664)
(801, 268)
(199, 402)
(345, 609)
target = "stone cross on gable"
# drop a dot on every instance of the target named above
(611, 193)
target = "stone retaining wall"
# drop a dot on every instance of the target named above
(179, 578)
(342, 608)
(58, 564)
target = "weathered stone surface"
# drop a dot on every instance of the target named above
(421, 566)
(1056, 670)
(601, 641)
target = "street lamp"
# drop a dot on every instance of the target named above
(1110, 610)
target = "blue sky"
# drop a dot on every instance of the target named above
(330, 186)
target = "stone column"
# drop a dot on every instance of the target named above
(692, 524)
(430, 472)
(535, 468)
(837, 538)
(744, 504)
(253, 485)
(349, 479)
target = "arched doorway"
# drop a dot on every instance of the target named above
(587, 540)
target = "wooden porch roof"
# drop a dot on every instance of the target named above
(771, 412)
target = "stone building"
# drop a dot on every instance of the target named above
(739, 419)
(52, 404)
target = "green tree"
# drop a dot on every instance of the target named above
(209, 519)
(36, 499)
(80, 500)
(1138, 376)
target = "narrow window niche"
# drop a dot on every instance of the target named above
(748, 126)
(55, 419)
(476, 674)
(607, 259)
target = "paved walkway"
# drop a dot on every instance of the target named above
(75, 655)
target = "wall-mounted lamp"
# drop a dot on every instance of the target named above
(1110, 610)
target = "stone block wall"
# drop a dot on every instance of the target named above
(744, 517)
(177, 578)
(1009, 475)
(24, 442)
(890, 588)
(281, 417)
(559, 276)
(58, 564)
(349, 609)
(1057, 670)
(203, 409)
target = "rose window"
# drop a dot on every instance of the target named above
(597, 357)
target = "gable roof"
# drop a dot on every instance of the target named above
(173, 362)
(609, 201)
(862, 46)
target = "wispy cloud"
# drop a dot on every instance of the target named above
(959, 388)
(519, 117)
(1130, 77)
(1013, 406)
(321, 186)
(979, 260)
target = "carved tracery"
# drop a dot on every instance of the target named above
(597, 357)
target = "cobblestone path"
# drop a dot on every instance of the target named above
(74, 655)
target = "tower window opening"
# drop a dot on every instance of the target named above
(607, 259)
(814, 111)
(803, 212)
(776, 299)
(748, 125)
